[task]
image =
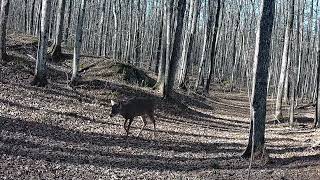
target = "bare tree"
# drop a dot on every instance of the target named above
(256, 143)
(31, 23)
(137, 49)
(78, 42)
(160, 39)
(168, 13)
(25, 16)
(66, 34)
(115, 34)
(3, 28)
(171, 65)
(317, 113)
(166, 33)
(294, 68)
(205, 46)
(40, 78)
(213, 46)
(187, 44)
(278, 113)
(101, 25)
(56, 48)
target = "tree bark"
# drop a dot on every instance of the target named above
(187, 44)
(66, 37)
(77, 44)
(317, 113)
(278, 112)
(31, 24)
(213, 47)
(259, 84)
(171, 69)
(40, 78)
(162, 54)
(3, 28)
(137, 49)
(25, 16)
(56, 47)
(294, 67)
(205, 46)
(168, 14)
(115, 34)
(158, 54)
(101, 25)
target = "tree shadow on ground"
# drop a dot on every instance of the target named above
(211, 123)
(95, 149)
(20, 65)
(24, 48)
(60, 91)
(61, 58)
(295, 162)
(24, 68)
(298, 121)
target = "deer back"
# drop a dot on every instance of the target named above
(136, 107)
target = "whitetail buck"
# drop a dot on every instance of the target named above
(132, 108)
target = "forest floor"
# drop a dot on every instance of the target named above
(61, 133)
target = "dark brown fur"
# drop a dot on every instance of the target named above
(132, 108)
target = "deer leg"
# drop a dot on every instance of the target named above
(151, 116)
(129, 124)
(144, 124)
(124, 125)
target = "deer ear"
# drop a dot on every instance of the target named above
(112, 103)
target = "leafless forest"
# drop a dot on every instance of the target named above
(232, 85)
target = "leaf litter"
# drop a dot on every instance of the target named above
(61, 133)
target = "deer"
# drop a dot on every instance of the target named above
(134, 107)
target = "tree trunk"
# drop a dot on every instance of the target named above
(40, 78)
(115, 34)
(234, 50)
(25, 16)
(162, 64)
(107, 27)
(37, 32)
(287, 79)
(56, 47)
(259, 84)
(31, 24)
(187, 44)
(3, 28)
(173, 62)
(294, 67)
(278, 112)
(317, 113)
(205, 46)
(169, 12)
(213, 47)
(301, 45)
(128, 51)
(137, 49)
(158, 54)
(292, 91)
(66, 37)
(77, 44)
(101, 25)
